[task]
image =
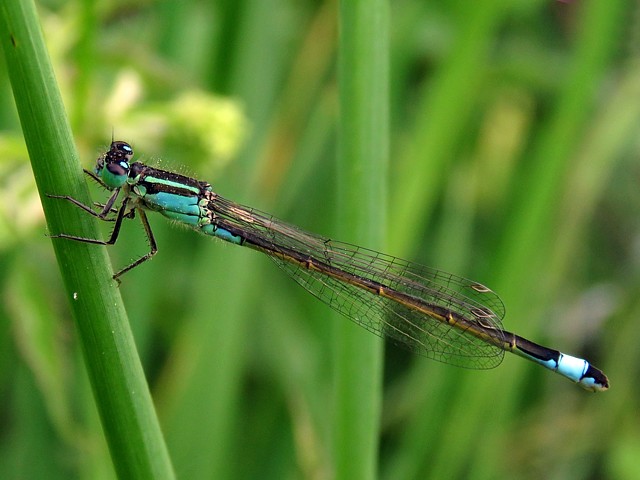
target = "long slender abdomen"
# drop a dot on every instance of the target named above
(576, 369)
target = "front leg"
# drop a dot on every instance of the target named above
(123, 212)
(102, 214)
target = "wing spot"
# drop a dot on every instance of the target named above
(478, 287)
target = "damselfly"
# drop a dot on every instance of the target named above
(436, 314)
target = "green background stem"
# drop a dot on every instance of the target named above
(363, 146)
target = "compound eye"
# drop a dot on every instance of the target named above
(121, 150)
(126, 149)
(118, 168)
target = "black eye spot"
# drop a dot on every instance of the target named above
(120, 168)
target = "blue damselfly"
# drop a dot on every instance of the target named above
(436, 314)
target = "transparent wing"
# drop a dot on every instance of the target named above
(419, 332)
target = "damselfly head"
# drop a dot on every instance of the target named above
(113, 167)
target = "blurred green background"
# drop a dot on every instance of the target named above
(513, 162)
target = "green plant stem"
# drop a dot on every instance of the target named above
(363, 156)
(121, 393)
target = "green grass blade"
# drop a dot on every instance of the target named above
(121, 393)
(363, 154)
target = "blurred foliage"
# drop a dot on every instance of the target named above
(514, 162)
